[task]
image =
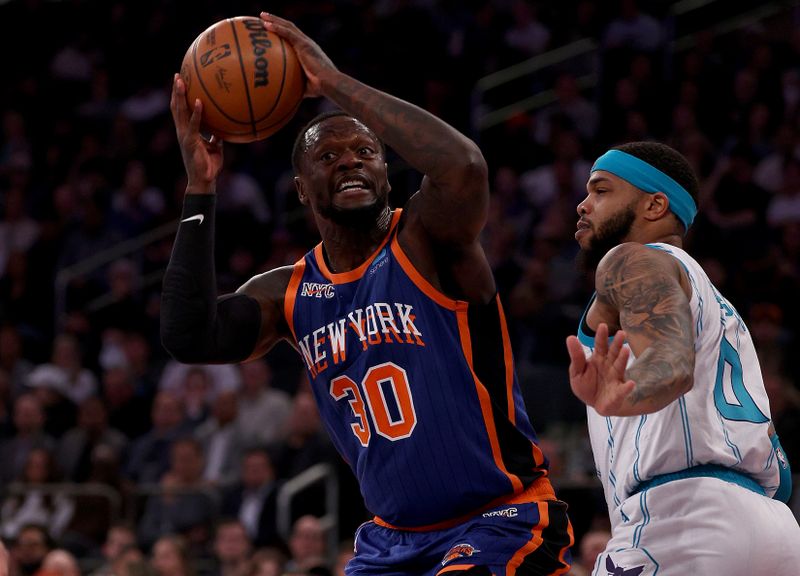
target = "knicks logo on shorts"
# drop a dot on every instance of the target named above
(459, 551)
(317, 290)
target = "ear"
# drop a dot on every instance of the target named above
(299, 185)
(657, 206)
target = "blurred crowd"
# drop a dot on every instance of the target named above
(185, 463)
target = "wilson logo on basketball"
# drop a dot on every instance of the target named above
(261, 43)
(316, 290)
(215, 54)
(459, 551)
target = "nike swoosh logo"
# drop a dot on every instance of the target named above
(198, 217)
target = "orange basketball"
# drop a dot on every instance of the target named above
(249, 80)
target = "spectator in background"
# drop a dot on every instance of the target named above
(784, 206)
(267, 562)
(15, 146)
(592, 544)
(184, 504)
(127, 410)
(60, 563)
(171, 557)
(18, 231)
(136, 206)
(5, 403)
(346, 552)
(36, 504)
(29, 435)
(306, 442)
(769, 172)
(119, 538)
(49, 384)
(232, 549)
(220, 440)
(122, 308)
(12, 359)
(253, 501)
(527, 36)
(221, 376)
(633, 29)
(150, 454)
(735, 206)
(263, 410)
(91, 236)
(142, 363)
(307, 545)
(571, 108)
(96, 510)
(76, 446)
(196, 394)
(132, 562)
(559, 182)
(68, 357)
(29, 549)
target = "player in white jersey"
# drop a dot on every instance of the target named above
(693, 472)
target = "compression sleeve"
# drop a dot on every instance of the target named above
(196, 326)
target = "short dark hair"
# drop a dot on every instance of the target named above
(668, 160)
(298, 149)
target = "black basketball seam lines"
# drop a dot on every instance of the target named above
(283, 81)
(244, 77)
(206, 92)
(280, 122)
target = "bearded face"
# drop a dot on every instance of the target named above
(604, 235)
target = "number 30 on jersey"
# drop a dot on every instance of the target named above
(389, 407)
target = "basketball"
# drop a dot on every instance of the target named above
(249, 80)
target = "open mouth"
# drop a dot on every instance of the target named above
(353, 185)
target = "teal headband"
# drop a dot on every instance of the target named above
(649, 179)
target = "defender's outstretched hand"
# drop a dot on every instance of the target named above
(312, 58)
(600, 381)
(202, 158)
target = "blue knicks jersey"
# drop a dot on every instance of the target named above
(417, 390)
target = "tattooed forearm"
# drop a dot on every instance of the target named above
(427, 143)
(659, 377)
(642, 285)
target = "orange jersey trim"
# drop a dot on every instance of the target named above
(540, 489)
(353, 275)
(455, 568)
(538, 455)
(509, 362)
(485, 401)
(290, 295)
(532, 544)
(564, 551)
(536, 540)
(421, 283)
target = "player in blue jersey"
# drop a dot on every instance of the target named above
(396, 316)
(693, 472)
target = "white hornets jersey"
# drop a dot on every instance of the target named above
(723, 420)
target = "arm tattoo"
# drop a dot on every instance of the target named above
(655, 313)
(427, 143)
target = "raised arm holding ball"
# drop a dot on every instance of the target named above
(396, 316)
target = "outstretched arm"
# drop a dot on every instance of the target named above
(644, 286)
(454, 196)
(196, 326)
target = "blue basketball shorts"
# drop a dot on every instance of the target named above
(522, 539)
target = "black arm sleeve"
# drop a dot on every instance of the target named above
(196, 326)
